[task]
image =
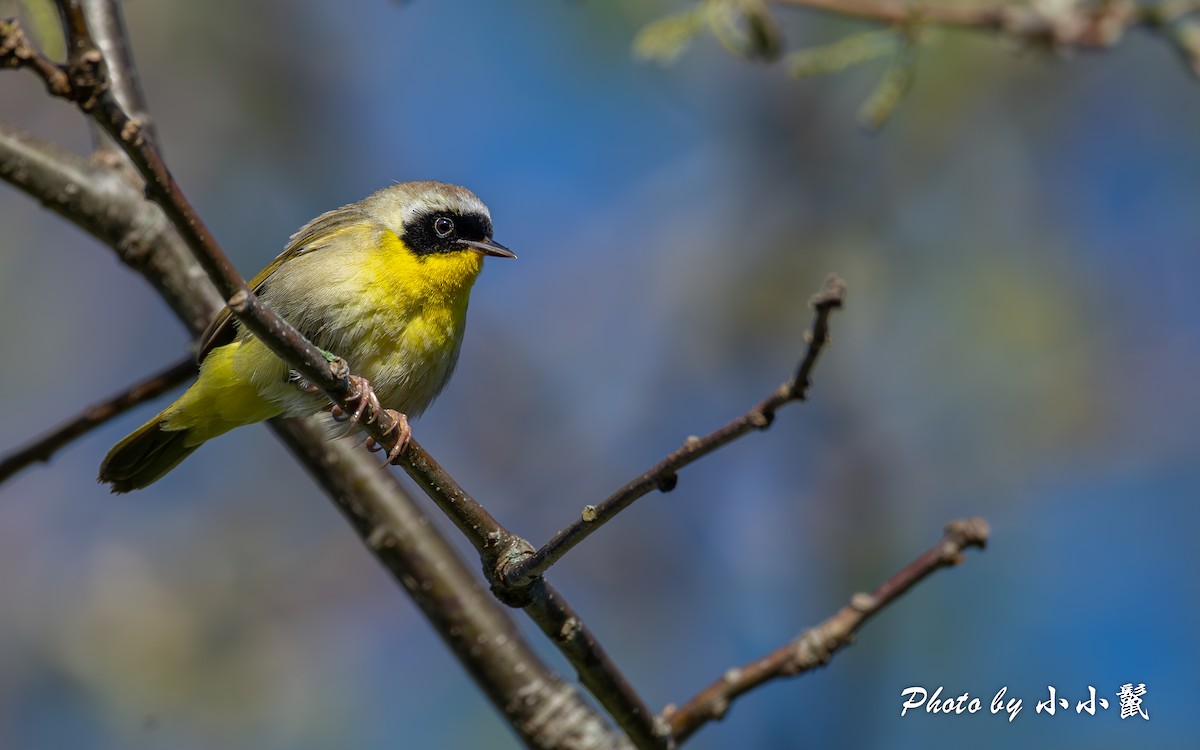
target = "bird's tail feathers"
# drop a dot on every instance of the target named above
(145, 456)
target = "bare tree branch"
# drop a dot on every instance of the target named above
(501, 550)
(87, 88)
(517, 571)
(105, 205)
(545, 606)
(817, 645)
(598, 673)
(95, 415)
(489, 537)
(549, 704)
(543, 710)
(1091, 26)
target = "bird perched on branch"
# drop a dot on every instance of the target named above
(382, 283)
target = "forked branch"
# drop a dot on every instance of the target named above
(517, 571)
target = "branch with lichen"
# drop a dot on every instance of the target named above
(748, 29)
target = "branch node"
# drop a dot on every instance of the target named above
(719, 708)
(662, 729)
(588, 514)
(88, 80)
(508, 562)
(570, 628)
(668, 481)
(133, 132)
(760, 420)
(863, 602)
(832, 295)
(239, 302)
(969, 532)
(381, 538)
(339, 368)
(813, 649)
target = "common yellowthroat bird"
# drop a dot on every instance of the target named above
(382, 283)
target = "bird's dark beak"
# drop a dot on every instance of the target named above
(490, 247)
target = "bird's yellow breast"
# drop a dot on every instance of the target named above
(438, 281)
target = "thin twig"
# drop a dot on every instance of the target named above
(107, 27)
(516, 570)
(816, 646)
(482, 530)
(16, 51)
(95, 415)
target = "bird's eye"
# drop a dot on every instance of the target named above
(443, 227)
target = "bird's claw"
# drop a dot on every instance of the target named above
(403, 432)
(363, 396)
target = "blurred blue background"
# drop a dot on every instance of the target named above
(1022, 342)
